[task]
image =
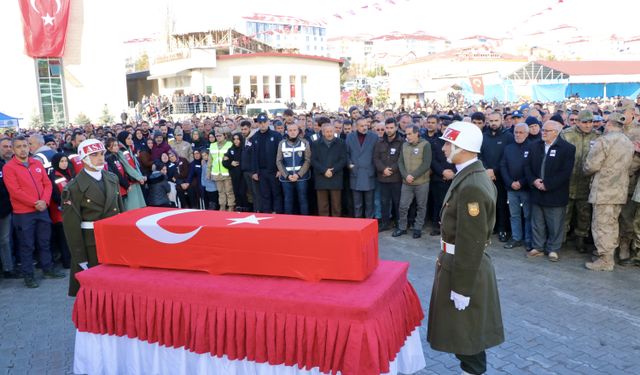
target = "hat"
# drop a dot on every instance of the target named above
(158, 164)
(557, 118)
(48, 138)
(516, 114)
(597, 118)
(626, 104)
(88, 147)
(618, 118)
(464, 135)
(262, 117)
(157, 134)
(353, 108)
(178, 131)
(532, 120)
(524, 106)
(585, 115)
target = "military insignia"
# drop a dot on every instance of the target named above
(473, 208)
(299, 153)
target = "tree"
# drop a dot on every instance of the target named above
(82, 119)
(382, 96)
(106, 118)
(36, 119)
(142, 63)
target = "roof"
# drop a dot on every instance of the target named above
(275, 18)
(586, 68)
(276, 54)
(479, 37)
(468, 54)
(416, 36)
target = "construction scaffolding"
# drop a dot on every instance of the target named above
(226, 42)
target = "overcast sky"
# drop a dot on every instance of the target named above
(448, 18)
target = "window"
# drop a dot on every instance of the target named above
(265, 87)
(51, 90)
(254, 86)
(236, 85)
(292, 86)
(278, 87)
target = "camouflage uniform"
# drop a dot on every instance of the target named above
(579, 185)
(609, 161)
(630, 217)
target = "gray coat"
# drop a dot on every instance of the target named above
(363, 173)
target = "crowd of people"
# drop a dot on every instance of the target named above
(562, 172)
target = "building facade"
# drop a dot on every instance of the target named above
(289, 33)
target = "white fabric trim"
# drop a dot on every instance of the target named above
(447, 247)
(97, 354)
(86, 225)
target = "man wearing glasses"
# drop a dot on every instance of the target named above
(548, 173)
(582, 136)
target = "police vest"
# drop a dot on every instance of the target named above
(45, 157)
(216, 154)
(293, 158)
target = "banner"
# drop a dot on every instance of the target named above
(44, 24)
(477, 85)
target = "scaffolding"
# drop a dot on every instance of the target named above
(226, 42)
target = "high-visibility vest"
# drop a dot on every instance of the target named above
(293, 158)
(216, 154)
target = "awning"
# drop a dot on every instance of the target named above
(184, 73)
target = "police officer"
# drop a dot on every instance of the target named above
(464, 313)
(582, 136)
(264, 170)
(609, 161)
(92, 195)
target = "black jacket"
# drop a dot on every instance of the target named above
(386, 154)
(438, 159)
(158, 190)
(5, 203)
(513, 164)
(557, 172)
(324, 157)
(265, 145)
(493, 147)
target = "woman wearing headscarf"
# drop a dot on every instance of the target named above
(144, 157)
(231, 161)
(193, 178)
(129, 161)
(139, 140)
(60, 177)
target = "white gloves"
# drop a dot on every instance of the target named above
(85, 266)
(459, 300)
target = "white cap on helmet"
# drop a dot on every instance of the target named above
(464, 135)
(88, 147)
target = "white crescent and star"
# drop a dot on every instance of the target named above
(477, 82)
(149, 226)
(47, 19)
(251, 219)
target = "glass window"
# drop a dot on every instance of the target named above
(292, 86)
(51, 91)
(253, 80)
(265, 87)
(278, 87)
(236, 85)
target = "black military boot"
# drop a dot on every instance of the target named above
(580, 247)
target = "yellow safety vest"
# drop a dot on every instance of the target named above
(216, 154)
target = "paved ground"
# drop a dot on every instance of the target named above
(559, 318)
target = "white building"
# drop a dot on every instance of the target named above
(285, 32)
(89, 76)
(267, 77)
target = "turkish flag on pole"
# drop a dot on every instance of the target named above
(477, 85)
(44, 26)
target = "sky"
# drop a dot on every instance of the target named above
(449, 18)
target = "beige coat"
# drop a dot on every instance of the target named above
(609, 161)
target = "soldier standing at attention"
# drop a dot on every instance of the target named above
(582, 136)
(92, 195)
(609, 160)
(464, 312)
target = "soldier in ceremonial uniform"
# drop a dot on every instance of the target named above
(609, 161)
(92, 195)
(464, 311)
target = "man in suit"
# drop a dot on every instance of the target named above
(92, 195)
(360, 147)
(548, 173)
(464, 312)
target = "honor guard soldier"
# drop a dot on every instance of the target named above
(92, 195)
(464, 312)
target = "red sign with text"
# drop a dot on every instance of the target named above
(218, 242)
(44, 25)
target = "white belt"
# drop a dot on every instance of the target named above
(86, 225)
(447, 247)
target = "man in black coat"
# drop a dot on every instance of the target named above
(494, 141)
(442, 171)
(263, 167)
(548, 173)
(328, 159)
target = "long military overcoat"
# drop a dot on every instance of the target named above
(84, 200)
(468, 217)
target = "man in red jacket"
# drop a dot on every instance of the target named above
(29, 192)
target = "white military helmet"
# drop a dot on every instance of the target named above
(464, 135)
(88, 147)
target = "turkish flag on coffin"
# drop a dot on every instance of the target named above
(477, 85)
(218, 242)
(44, 24)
